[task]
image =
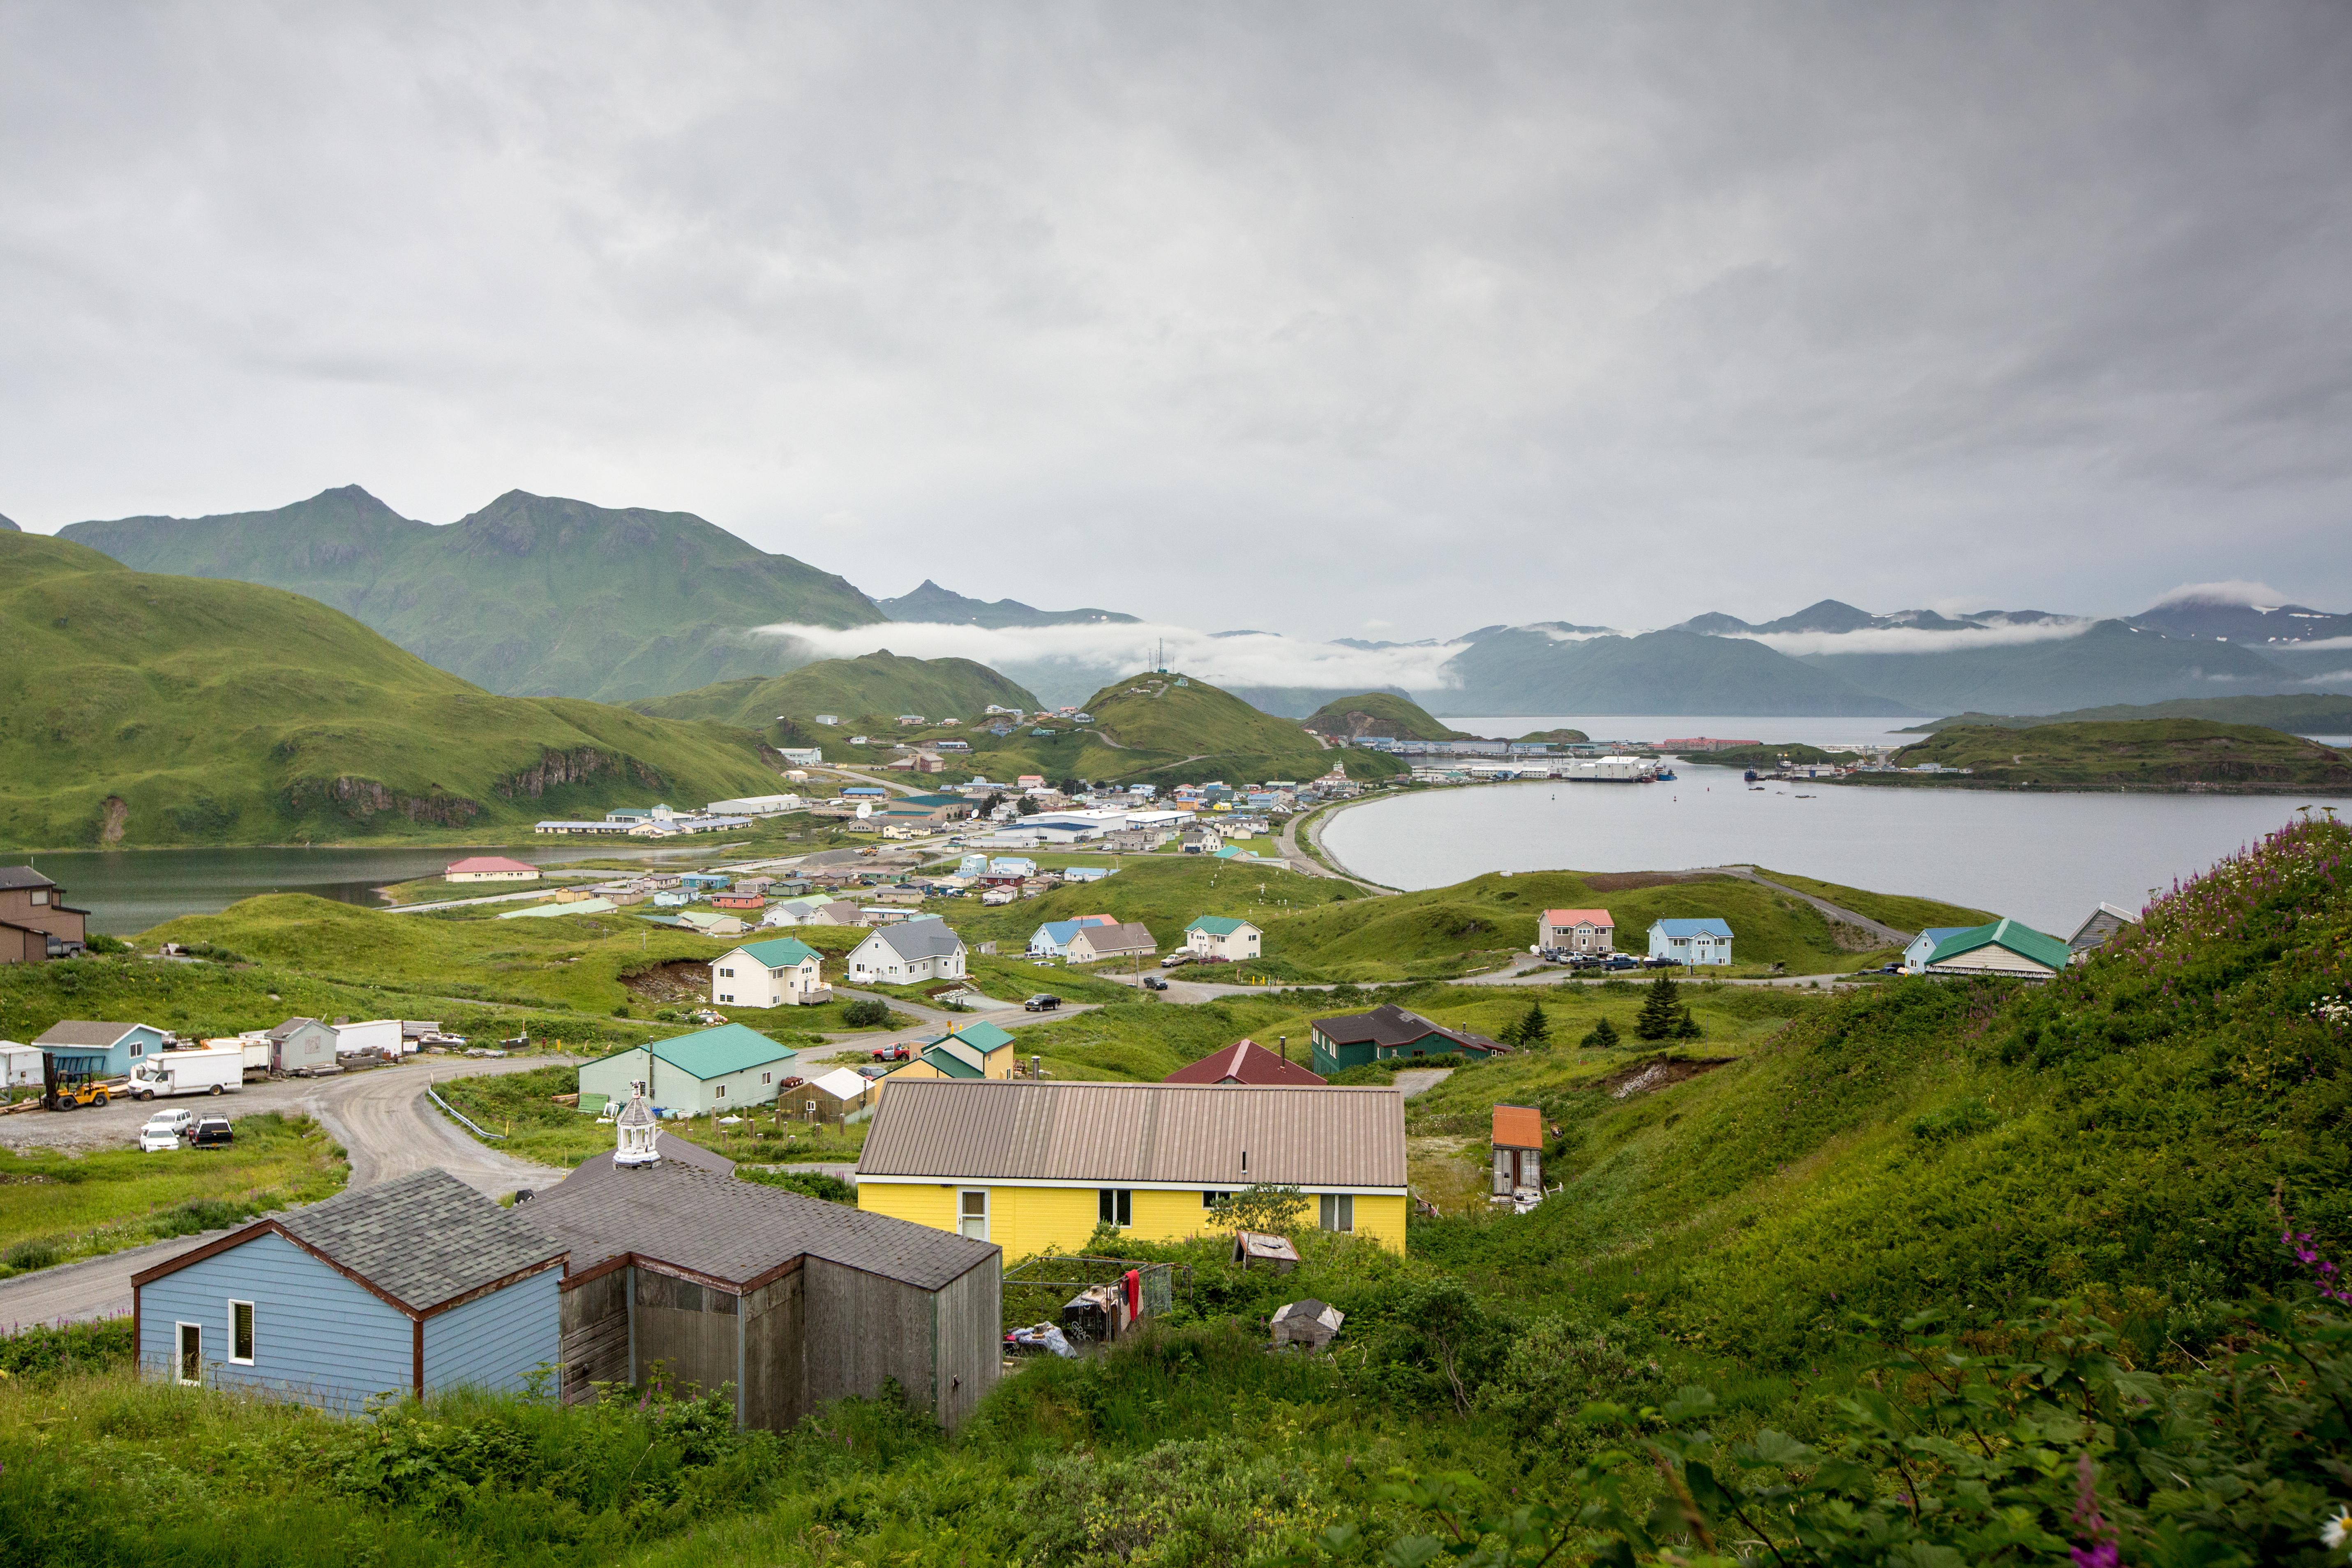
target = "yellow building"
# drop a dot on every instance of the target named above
(977, 1050)
(1036, 1166)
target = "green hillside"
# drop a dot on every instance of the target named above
(874, 686)
(2303, 715)
(2147, 754)
(1766, 756)
(1320, 929)
(1378, 713)
(140, 710)
(530, 595)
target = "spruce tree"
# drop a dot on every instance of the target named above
(1601, 1036)
(1534, 1030)
(1686, 1028)
(1657, 1018)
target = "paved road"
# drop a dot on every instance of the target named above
(381, 1118)
(1879, 929)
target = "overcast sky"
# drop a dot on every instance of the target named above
(1337, 319)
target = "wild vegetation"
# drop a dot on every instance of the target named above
(868, 692)
(138, 711)
(1797, 1308)
(1387, 713)
(2305, 713)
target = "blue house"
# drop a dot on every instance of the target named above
(1916, 956)
(703, 882)
(410, 1287)
(1707, 941)
(100, 1051)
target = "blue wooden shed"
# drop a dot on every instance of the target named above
(100, 1050)
(410, 1287)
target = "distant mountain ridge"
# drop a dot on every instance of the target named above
(933, 604)
(142, 710)
(1513, 670)
(530, 595)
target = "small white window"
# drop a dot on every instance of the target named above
(1339, 1211)
(189, 1362)
(971, 1213)
(719, 1092)
(240, 1332)
(40, 895)
(767, 1077)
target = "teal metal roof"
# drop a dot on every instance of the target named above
(779, 952)
(984, 1034)
(714, 1053)
(955, 1059)
(1217, 925)
(2011, 936)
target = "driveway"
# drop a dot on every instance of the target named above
(381, 1118)
(1418, 1080)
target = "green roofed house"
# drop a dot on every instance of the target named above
(782, 972)
(725, 1069)
(1218, 937)
(976, 1050)
(2006, 947)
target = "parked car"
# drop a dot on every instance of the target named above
(1657, 962)
(873, 1071)
(1173, 959)
(212, 1133)
(898, 1053)
(1153, 983)
(165, 1129)
(1044, 1002)
(1621, 960)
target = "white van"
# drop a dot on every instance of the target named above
(215, 1069)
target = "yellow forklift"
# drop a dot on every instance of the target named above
(72, 1078)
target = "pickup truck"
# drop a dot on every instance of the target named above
(898, 1053)
(1044, 1002)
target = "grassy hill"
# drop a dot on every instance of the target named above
(2148, 753)
(1320, 929)
(1766, 756)
(2303, 715)
(1378, 713)
(531, 594)
(874, 686)
(140, 710)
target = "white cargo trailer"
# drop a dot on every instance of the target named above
(375, 1034)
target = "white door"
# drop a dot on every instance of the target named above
(971, 1213)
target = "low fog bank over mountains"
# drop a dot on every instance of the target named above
(536, 595)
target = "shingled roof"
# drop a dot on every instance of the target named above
(699, 1217)
(423, 1240)
(1389, 1025)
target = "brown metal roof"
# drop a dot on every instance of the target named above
(954, 1129)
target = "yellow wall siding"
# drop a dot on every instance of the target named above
(1028, 1220)
(1381, 1219)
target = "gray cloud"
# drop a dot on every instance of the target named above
(1220, 315)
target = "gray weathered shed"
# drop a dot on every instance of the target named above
(795, 1301)
(1311, 1323)
(302, 1045)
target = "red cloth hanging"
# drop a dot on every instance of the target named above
(1133, 1284)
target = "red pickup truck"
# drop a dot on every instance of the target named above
(900, 1053)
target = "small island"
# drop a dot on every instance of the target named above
(2153, 754)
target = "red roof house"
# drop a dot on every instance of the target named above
(1246, 1062)
(490, 869)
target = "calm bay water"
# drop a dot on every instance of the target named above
(2047, 859)
(128, 891)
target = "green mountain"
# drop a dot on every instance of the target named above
(2146, 753)
(1378, 713)
(1179, 716)
(875, 686)
(932, 603)
(1520, 670)
(2303, 715)
(151, 710)
(2111, 662)
(529, 595)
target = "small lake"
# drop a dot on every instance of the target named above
(2047, 859)
(128, 891)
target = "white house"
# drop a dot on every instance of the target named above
(1051, 939)
(778, 973)
(1132, 940)
(1916, 956)
(1707, 941)
(1576, 931)
(490, 869)
(909, 954)
(1219, 936)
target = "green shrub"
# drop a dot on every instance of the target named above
(867, 1012)
(809, 1183)
(44, 1348)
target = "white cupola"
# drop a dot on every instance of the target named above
(637, 1131)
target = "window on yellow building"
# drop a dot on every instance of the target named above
(1214, 1200)
(1115, 1206)
(1339, 1211)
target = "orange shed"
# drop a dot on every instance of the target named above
(1518, 1150)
